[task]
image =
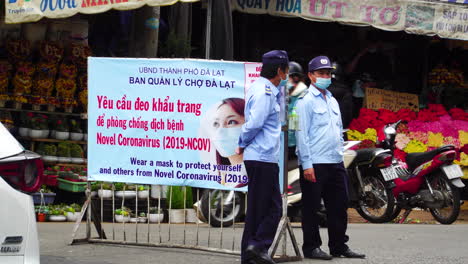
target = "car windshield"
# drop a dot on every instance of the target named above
(9, 145)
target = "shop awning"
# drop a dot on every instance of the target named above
(445, 18)
(20, 11)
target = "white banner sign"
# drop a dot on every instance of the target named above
(418, 17)
(19, 11)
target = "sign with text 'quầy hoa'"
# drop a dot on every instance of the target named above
(444, 19)
(167, 121)
(377, 99)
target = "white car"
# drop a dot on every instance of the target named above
(19, 243)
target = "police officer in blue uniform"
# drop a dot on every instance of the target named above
(260, 143)
(322, 173)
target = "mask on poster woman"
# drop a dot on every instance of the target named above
(226, 140)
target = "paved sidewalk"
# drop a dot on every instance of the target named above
(385, 243)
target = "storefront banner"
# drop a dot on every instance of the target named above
(167, 121)
(418, 17)
(20, 11)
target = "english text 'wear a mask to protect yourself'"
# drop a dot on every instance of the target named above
(226, 140)
(323, 83)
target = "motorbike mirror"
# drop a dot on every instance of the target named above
(390, 130)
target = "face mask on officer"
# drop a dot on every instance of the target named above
(284, 81)
(226, 140)
(322, 83)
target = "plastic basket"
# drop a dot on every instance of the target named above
(48, 198)
(71, 186)
(51, 180)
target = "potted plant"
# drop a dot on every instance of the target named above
(51, 174)
(122, 215)
(76, 153)
(143, 191)
(73, 212)
(63, 152)
(39, 127)
(25, 124)
(41, 212)
(105, 191)
(123, 190)
(50, 153)
(155, 215)
(61, 129)
(176, 205)
(47, 195)
(76, 133)
(190, 214)
(57, 214)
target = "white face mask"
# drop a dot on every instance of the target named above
(226, 140)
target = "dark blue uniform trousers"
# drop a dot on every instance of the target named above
(331, 185)
(263, 205)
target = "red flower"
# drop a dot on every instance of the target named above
(437, 109)
(427, 115)
(387, 116)
(367, 114)
(59, 122)
(406, 115)
(359, 125)
(30, 114)
(458, 114)
(464, 149)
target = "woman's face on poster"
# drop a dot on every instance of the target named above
(226, 117)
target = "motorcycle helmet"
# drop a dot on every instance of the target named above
(295, 69)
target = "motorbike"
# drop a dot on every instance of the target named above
(370, 188)
(427, 180)
(370, 182)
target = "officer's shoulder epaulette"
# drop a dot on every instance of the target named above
(267, 89)
(304, 93)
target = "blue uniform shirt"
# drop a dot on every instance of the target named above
(319, 138)
(260, 136)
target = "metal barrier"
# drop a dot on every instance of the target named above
(140, 232)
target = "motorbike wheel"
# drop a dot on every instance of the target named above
(396, 212)
(378, 203)
(229, 214)
(448, 214)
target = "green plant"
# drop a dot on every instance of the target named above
(41, 149)
(75, 126)
(143, 188)
(155, 210)
(63, 149)
(76, 151)
(61, 125)
(46, 189)
(50, 150)
(123, 211)
(39, 122)
(57, 210)
(189, 197)
(25, 119)
(177, 201)
(119, 186)
(142, 214)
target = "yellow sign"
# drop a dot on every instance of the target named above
(378, 98)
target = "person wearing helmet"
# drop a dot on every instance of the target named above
(295, 87)
(322, 172)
